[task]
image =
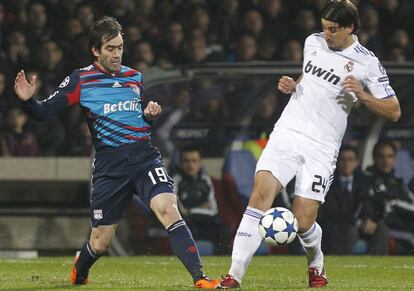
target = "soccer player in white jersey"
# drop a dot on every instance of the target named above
(337, 72)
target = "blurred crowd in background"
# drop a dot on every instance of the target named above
(49, 38)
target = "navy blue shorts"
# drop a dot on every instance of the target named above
(136, 169)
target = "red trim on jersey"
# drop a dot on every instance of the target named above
(135, 137)
(126, 84)
(130, 73)
(73, 97)
(134, 128)
(88, 73)
(90, 81)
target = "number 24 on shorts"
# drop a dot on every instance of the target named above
(320, 183)
(160, 175)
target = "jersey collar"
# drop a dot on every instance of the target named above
(102, 69)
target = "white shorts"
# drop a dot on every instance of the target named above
(289, 154)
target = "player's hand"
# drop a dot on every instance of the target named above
(152, 110)
(23, 89)
(351, 84)
(286, 85)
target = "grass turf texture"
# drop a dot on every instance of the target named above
(167, 273)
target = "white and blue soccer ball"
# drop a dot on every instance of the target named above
(278, 226)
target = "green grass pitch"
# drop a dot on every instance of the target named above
(167, 273)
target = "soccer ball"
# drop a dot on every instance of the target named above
(278, 226)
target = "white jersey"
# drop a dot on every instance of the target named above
(319, 108)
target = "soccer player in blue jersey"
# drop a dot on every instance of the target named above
(125, 163)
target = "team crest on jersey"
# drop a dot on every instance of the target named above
(135, 89)
(64, 82)
(349, 66)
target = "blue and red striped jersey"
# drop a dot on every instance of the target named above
(112, 103)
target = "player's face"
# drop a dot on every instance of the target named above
(337, 37)
(110, 54)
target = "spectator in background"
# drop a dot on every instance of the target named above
(292, 50)
(73, 28)
(200, 19)
(196, 200)
(266, 50)
(173, 45)
(246, 48)
(196, 51)
(17, 51)
(339, 216)
(371, 27)
(383, 187)
(275, 22)
(252, 23)
(304, 25)
(172, 116)
(396, 54)
(36, 28)
(142, 52)
(5, 98)
(18, 140)
(227, 21)
(85, 13)
(266, 114)
(51, 134)
(401, 39)
(51, 66)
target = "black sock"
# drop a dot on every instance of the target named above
(185, 249)
(86, 259)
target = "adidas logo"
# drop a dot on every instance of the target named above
(116, 85)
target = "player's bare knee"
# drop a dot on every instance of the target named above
(261, 199)
(168, 214)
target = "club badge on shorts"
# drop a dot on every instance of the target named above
(98, 214)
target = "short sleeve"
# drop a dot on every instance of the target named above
(378, 82)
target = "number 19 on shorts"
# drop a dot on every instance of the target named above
(158, 175)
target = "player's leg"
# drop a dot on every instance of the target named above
(313, 180)
(310, 236)
(98, 244)
(109, 197)
(275, 168)
(248, 239)
(182, 242)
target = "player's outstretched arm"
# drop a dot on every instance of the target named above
(287, 85)
(152, 110)
(388, 108)
(24, 89)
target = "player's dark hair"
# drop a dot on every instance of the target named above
(104, 29)
(342, 12)
(383, 143)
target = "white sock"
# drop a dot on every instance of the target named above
(246, 242)
(311, 242)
